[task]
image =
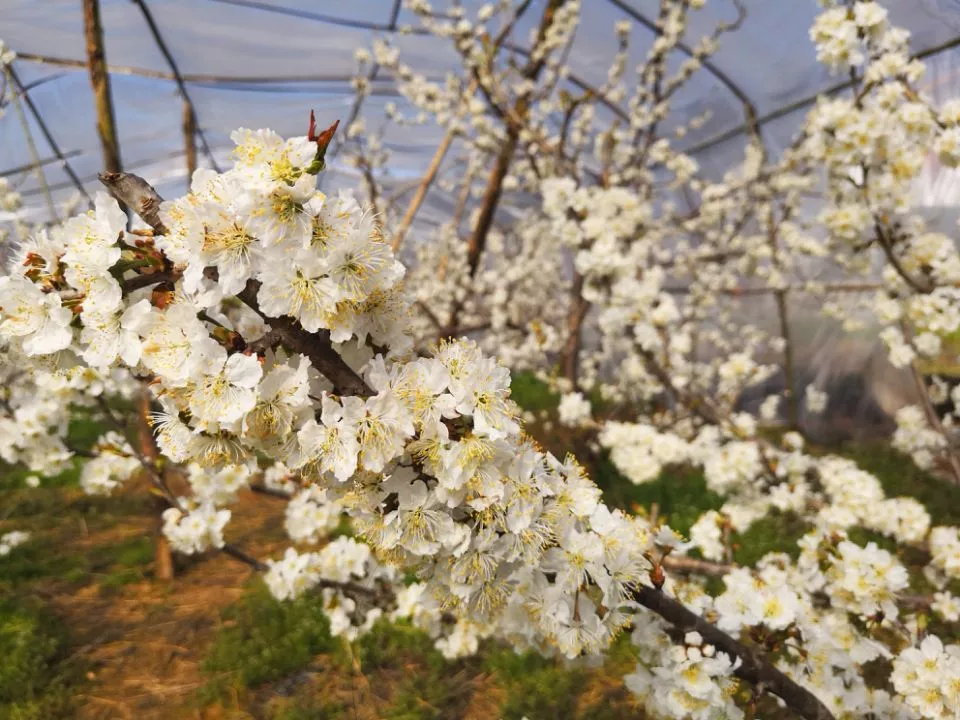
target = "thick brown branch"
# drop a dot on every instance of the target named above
(755, 667)
(269, 491)
(316, 346)
(141, 281)
(491, 198)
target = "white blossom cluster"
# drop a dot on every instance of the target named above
(12, 539)
(274, 324)
(927, 678)
(640, 452)
(945, 554)
(195, 529)
(311, 516)
(915, 437)
(426, 455)
(343, 560)
(36, 401)
(574, 409)
(114, 463)
(688, 680)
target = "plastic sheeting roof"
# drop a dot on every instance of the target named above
(266, 63)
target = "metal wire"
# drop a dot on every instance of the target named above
(262, 83)
(47, 135)
(177, 77)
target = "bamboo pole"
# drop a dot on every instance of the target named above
(189, 140)
(421, 193)
(100, 82)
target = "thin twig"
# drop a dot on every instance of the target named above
(148, 279)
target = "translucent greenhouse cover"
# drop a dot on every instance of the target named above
(267, 63)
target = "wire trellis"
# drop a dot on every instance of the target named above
(337, 83)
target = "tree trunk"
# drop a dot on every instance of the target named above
(570, 360)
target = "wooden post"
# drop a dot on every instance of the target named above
(190, 139)
(163, 557)
(100, 81)
(107, 129)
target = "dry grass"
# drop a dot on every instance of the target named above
(143, 641)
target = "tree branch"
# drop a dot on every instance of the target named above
(931, 412)
(269, 491)
(887, 246)
(140, 196)
(148, 279)
(137, 194)
(238, 554)
(579, 307)
(316, 346)
(754, 668)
